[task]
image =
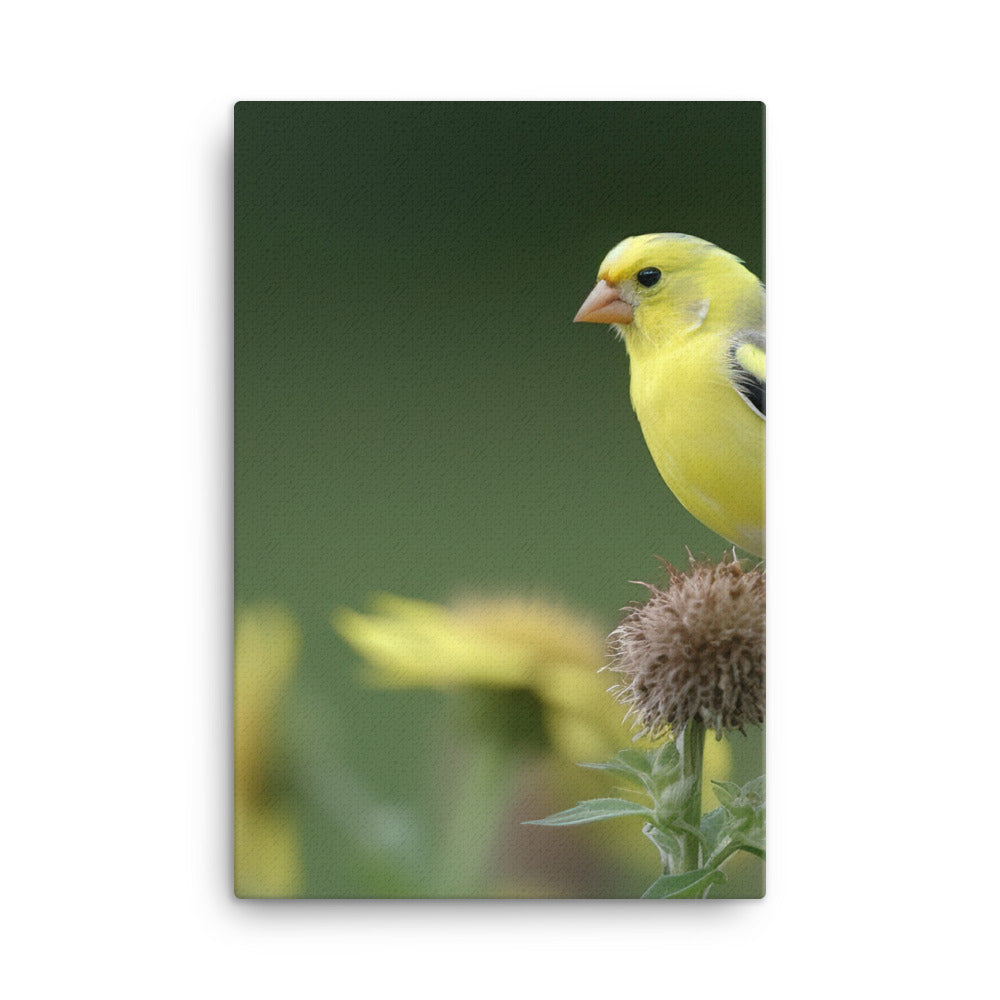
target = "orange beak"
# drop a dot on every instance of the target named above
(603, 305)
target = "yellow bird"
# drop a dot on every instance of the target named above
(692, 317)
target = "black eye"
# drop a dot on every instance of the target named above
(649, 276)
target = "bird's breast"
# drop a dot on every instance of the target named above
(707, 444)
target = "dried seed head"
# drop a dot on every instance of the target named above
(694, 650)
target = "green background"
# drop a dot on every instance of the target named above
(417, 413)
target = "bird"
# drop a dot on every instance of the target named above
(692, 318)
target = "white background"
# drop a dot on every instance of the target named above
(116, 417)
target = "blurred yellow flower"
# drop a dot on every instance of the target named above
(531, 645)
(266, 850)
(507, 643)
(268, 864)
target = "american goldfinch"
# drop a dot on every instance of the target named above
(692, 317)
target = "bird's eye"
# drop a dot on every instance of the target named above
(648, 276)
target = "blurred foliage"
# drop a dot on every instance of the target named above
(416, 413)
(266, 851)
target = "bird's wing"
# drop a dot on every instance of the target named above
(748, 367)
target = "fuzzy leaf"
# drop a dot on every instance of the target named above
(743, 822)
(666, 842)
(637, 775)
(634, 757)
(689, 885)
(726, 791)
(665, 759)
(711, 827)
(672, 801)
(593, 810)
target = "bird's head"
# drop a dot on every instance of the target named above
(665, 271)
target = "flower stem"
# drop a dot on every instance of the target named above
(469, 839)
(691, 744)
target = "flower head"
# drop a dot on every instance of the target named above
(537, 648)
(694, 650)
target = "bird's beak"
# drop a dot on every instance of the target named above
(603, 305)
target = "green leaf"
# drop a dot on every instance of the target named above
(689, 885)
(593, 810)
(743, 822)
(726, 791)
(641, 760)
(665, 759)
(666, 842)
(751, 840)
(711, 827)
(672, 802)
(636, 775)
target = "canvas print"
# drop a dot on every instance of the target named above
(499, 500)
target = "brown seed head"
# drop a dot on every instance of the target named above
(694, 650)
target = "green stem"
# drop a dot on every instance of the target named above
(691, 744)
(468, 840)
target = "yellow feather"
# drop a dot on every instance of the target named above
(753, 359)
